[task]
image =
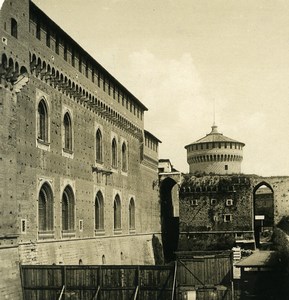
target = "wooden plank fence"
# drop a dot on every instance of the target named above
(97, 282)
(200, 276)
(205, 275)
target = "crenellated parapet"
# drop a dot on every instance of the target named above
(216, 154)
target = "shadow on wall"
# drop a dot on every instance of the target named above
(158, 251)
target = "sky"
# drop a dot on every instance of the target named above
(179, 57)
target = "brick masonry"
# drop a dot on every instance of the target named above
(206, 202)
(95, 100)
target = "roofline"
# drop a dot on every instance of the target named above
(195, 143)
(151, 135)
(67, 36)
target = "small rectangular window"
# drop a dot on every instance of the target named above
(213, 201)
(86, 69)
(194, 202)
(14, 28)
(227, 218)
(48, 38)
(57, 45)
(38, 30)
(23, 225)
(226, 167)
(80, 225)
(229, 202)
(65, 52)
(80, 64)
(73, 58)
(98, 79)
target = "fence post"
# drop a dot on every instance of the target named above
(63, 280)
(174, 282)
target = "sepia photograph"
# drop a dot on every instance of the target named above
(144, 150)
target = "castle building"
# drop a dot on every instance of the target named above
(77, 167)
(216, 154)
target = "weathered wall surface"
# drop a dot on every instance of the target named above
(280, 188)
(90, 251)
(208, 220)
(216, 167)
(95, 100)
(213, 209)
(10, 284)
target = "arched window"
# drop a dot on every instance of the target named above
(98, 146)
(124, 157)
(99, 212)
(117, 212)
(14, 29)
(67, 132)
(131, 214)
(42, 121)
(45, 208)
(114, 153)
(68, 209)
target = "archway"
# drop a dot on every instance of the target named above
(263, 196)
(169, 217)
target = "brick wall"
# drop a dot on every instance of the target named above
(10, 284)
(213, 209)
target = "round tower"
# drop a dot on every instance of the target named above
(215, 153)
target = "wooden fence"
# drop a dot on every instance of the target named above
(41, 282)
(200, 276)
(205, 275)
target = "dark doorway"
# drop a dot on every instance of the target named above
(263, 213)
(169, 218)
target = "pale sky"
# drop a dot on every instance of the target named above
(178, 57)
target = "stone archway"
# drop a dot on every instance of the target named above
(169, 217)
(263, 201)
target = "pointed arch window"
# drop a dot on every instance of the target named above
(99, 212)
(68, 209)
(67, 132)
(117, 213)
(98, 146)
(42, 121)
(131, 214)
(14, 28)
(124, 157)
(45, 208)
(114, 153)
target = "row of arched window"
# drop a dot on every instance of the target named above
(219, 157)
(46, 211)
(43, 137)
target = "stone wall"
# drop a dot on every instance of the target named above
(95, 100)
(10, 284)
(213, 210)
(106, 250)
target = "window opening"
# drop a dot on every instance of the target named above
(98, 146)
(42, 121)
(14, 28)
(67, 132)
(131, 214)
(114, 153)
(124, 157)
(117, 212)
(99, 212)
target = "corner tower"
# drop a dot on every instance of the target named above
(215, 153)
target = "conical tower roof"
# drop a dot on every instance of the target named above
(215, 136)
